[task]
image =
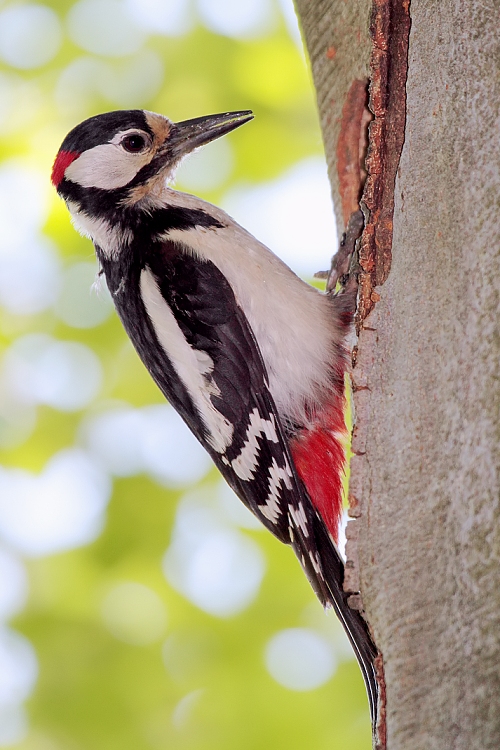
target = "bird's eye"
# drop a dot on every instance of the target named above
(133, 143)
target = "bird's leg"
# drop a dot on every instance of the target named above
(345, 263)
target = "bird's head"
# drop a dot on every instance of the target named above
(122, 154)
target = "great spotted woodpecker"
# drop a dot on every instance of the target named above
(252, 357)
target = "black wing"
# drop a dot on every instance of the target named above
(256, 460)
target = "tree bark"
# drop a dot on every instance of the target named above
(425, 478)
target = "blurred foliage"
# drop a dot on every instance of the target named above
(201, 683)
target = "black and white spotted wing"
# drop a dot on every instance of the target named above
(249, 447)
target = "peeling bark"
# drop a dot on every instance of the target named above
(389, 31)
(352, 146)
(424, 549)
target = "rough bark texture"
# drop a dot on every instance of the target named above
(426, 474)
(389, 30)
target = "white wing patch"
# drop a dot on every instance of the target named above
(299, 518)
(245, 464)
(271, 509)
(205, 362)
(315, 561)
(191, 366)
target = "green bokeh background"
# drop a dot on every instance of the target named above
(202, 684)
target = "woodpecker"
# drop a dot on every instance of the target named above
(252, 357)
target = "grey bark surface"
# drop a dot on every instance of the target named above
(427, 470)
(343, 28)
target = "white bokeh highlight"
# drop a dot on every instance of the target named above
(214, 566)
(292, 23)
(18, 675)
(38, 369)
(17, 420)
(18, 667)
(30, 35)
(24, 201)
(206, 169)
(13, 585)
(128, 83)
(233, 510)
(78, 86)
(29, 264)
(81, 302)
(104, 27)
(328, 626)
(172, 18)
(29, 276)
(237, 19)
(300, 659)
(171, 453)
(20, 101)
(13, 724)
(292, 215)
(184, 709)
(134, 613)
(61, 508)
(153, 440)
(133, 82)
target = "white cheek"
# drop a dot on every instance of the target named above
(106, 167)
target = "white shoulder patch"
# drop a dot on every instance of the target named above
(191, 368)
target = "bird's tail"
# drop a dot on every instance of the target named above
(328, 586)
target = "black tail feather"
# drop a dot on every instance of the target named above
(329, 589)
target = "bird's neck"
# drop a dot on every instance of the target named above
(113, 222)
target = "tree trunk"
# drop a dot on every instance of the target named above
(425, 546)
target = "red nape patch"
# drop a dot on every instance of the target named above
(62, 162)
(319, 457)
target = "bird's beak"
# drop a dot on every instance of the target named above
(186, 136)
